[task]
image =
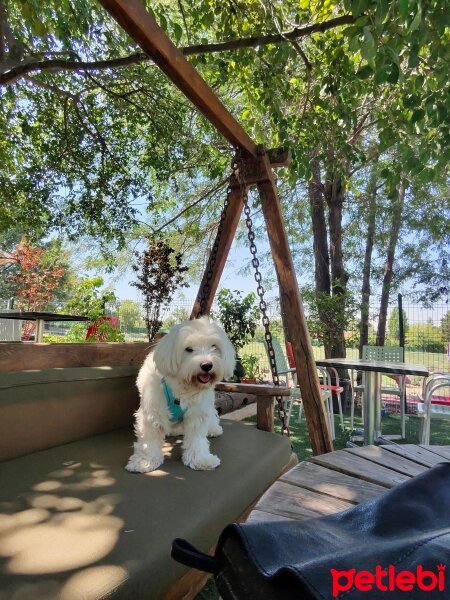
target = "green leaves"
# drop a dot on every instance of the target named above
(415, 24)
(358, 7)
(403, 8)
(365, 72)
(368, 46)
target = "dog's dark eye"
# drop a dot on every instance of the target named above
(189, 349)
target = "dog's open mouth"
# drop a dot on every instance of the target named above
(204, 378)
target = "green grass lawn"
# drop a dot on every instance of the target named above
(390, 425)
(440, 435)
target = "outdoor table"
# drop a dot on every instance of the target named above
(40, 318)
(372, 390)
(336, 481)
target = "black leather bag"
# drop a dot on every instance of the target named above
(394, 546)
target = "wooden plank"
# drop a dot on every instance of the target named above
(290, 501)
(216, 262)
(331, 483)
(418, 454)
(443, 451)
(394, 462)
(359, 467)
(293, 313)
(139, 24)
(26, 356)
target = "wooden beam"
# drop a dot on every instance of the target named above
(216, 264)
(278, 157)
(294, 316)
(23, 356)
(143, 29)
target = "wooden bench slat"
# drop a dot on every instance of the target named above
(418, 454)
(442, 451)
(293, 502)
(332, 483)
(395, 462)
(359, 467)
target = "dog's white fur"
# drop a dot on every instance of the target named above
(179, 358)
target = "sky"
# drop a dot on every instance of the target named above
(238, 256)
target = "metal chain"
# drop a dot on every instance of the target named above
(260, 289)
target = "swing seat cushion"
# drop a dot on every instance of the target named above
(75, 524)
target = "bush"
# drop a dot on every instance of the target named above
(238, 315)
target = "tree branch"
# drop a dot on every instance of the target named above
(274, 38)
(18, 70)
(57, 64)
(2, 32)
(207, 194)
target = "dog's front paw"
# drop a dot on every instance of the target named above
(208, 462)
(215, 431)
(139, 463)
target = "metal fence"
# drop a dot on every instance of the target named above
(427, 330)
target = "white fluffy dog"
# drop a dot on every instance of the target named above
(176, 385)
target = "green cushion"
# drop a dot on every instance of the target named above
(42, 409)
(75, 524)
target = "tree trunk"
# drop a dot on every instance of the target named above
(371, 195)
(334, 192)
(397, 210)
(320, 236)
(319, 228)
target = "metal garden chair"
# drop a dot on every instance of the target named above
(287, 371)
(394, 354)
(432, 404)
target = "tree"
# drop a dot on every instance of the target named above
(159, 273)
(341, 83)
(84, 146)
(32, 282)
(90, 301)
(370, 206)
(35, 283)
(445, 326)
(178, 316)
(426, 337)
(129, 314)
(239, 316)
(394, 326)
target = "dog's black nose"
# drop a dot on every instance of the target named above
(206, 366)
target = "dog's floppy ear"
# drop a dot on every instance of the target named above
(165, 354)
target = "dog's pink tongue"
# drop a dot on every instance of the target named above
(204, 378)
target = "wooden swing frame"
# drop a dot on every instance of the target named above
(143, 29)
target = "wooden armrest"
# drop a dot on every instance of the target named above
(253, 388)
(264, 400)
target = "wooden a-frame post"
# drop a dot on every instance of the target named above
(141, 26)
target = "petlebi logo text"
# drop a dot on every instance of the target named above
(388, 579)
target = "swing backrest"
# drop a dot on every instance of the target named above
(280, 358)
